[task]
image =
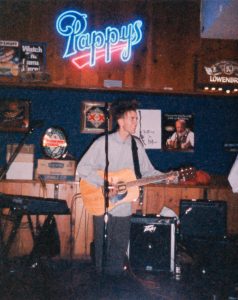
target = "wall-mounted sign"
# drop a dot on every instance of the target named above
(54, 143)
(86, 47)
(178, 132)
(93, 117)
(223, 72)
(33, 62)
(219, 75)
(33, 57)
(14, 115)
(9, 58)
(149, 128)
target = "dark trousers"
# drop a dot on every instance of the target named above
(118, 229)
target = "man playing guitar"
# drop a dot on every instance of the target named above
(120, 157)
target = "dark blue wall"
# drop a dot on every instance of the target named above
(215, 123)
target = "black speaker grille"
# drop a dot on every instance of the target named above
(150, 243)
(203, 219)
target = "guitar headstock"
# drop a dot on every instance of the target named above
(186, 173)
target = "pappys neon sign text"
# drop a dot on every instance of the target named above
(91, 46)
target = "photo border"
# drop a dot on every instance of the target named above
(96, 125)
(14, 115)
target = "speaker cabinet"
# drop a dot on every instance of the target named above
(152, 243)
(203, 219)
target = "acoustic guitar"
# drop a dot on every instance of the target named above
(127, 188)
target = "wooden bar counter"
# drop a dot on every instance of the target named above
(76, 230)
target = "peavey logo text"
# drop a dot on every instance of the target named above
(96, 44)
(229, 70)
(150, 228)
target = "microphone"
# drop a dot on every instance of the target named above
(37, 123)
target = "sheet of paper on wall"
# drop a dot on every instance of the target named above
(149, 128)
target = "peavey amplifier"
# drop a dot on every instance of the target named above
(152, 243)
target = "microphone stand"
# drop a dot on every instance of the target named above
(106, 193)
(8, 164)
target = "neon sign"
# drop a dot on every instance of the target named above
(97, 44)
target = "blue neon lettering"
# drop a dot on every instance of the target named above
(126, 52)
(137, 35)
(97, 41)
(73, 25)
(83, 42)
(112, 37)
(70, 24)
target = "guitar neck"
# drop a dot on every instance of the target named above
(151, 179)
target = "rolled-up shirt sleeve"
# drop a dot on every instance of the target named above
(146, 167)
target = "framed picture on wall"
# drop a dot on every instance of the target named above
(9, 58)
(14, 115)
(93, 117)
(178, 132)
(149, 128)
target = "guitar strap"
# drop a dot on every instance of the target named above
(137, 167)
(135, 158)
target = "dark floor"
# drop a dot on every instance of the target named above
(208, 274)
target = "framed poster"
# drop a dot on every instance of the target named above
(93, 117)
(9, 58)
(149, 128)
(14, 115)
(178, 132)
(33, 56)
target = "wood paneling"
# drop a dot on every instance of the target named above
(76, 231)
(163, 61)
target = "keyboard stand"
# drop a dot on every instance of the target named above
(16, 216)
(42, 242)
(47, 231)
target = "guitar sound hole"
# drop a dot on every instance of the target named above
(121, 188)
(121, 192)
